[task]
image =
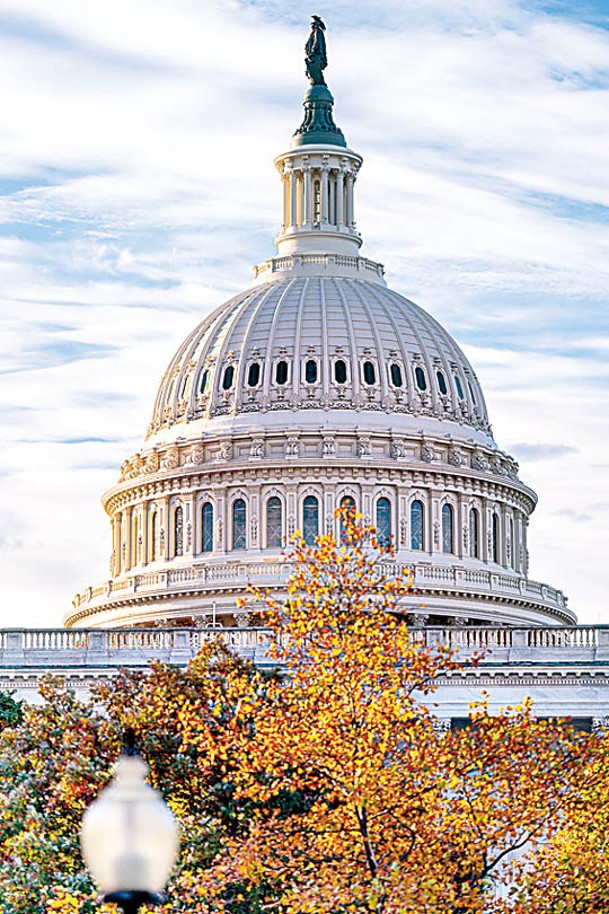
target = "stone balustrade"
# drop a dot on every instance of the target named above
(426, 575)
(55, 650)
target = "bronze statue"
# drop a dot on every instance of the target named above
(315, 53)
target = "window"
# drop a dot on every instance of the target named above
(369, 373)
(207, 527)
(311, 371)
(348, 503)
(442, 383)
(420, 378)
(396, 375)
(239, 536)
(153, 536)
(317, 201)
(383, 521)
(340, 372)
(496, 550)
(417, 529)
(253, 375)
(281, 372)
(513, 550)
(447, 528)
(274, 531)
(471, 393)
(183, 386)
(474, 533)
(458, 386)
(310, 519)
(227, 380)
(203, 384)
(178, 531)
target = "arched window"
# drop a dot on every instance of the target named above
(310, 519)
(442, 383)
(203, 383)
(340, 372)
(447, 529)
(207, 527)
(281, 372)
(417, 527)
(253, 375)
(348, 503)
(317, 201)
(383, 521)
(153, 536)
(496, 544)
(178, 531)
(420, 378)
(239, 518)
(458, 386)
(471, 393)
(311, 371)
(369, 373)
(274, 525)
(474, 533)
(396, 375)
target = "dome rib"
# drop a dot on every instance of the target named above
(321, 315)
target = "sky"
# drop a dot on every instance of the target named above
(137, 188)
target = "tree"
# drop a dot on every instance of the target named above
(569, 873)
(397, 816)
(326, 786)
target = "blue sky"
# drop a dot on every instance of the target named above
(137, 189)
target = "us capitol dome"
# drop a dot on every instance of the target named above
(317, 387)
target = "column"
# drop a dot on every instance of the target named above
(127, 519)
(286, 199)
(349, 219)
(116, 545)
(293, 198)
(164, 531)
(324, 194)
(307, 195)
(190, 526)
(145, 532)
(340, 197)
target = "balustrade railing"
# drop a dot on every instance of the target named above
(88, 648)
(425, 574)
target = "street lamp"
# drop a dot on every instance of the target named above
(129, 837)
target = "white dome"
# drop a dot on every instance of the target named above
(321, 343)
(316, 388)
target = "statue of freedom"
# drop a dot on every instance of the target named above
(315, 53)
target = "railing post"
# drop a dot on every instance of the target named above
(181, 651)
(13, 652)
(520, 643)
(602, 650)
(98, 646)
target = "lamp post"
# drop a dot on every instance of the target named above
(129, 837)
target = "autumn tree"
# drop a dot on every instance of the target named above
(393, 815)
(323, 787)
(569, 873)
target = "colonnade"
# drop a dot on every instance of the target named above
(154, 531)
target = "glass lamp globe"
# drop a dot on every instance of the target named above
(129, 837)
